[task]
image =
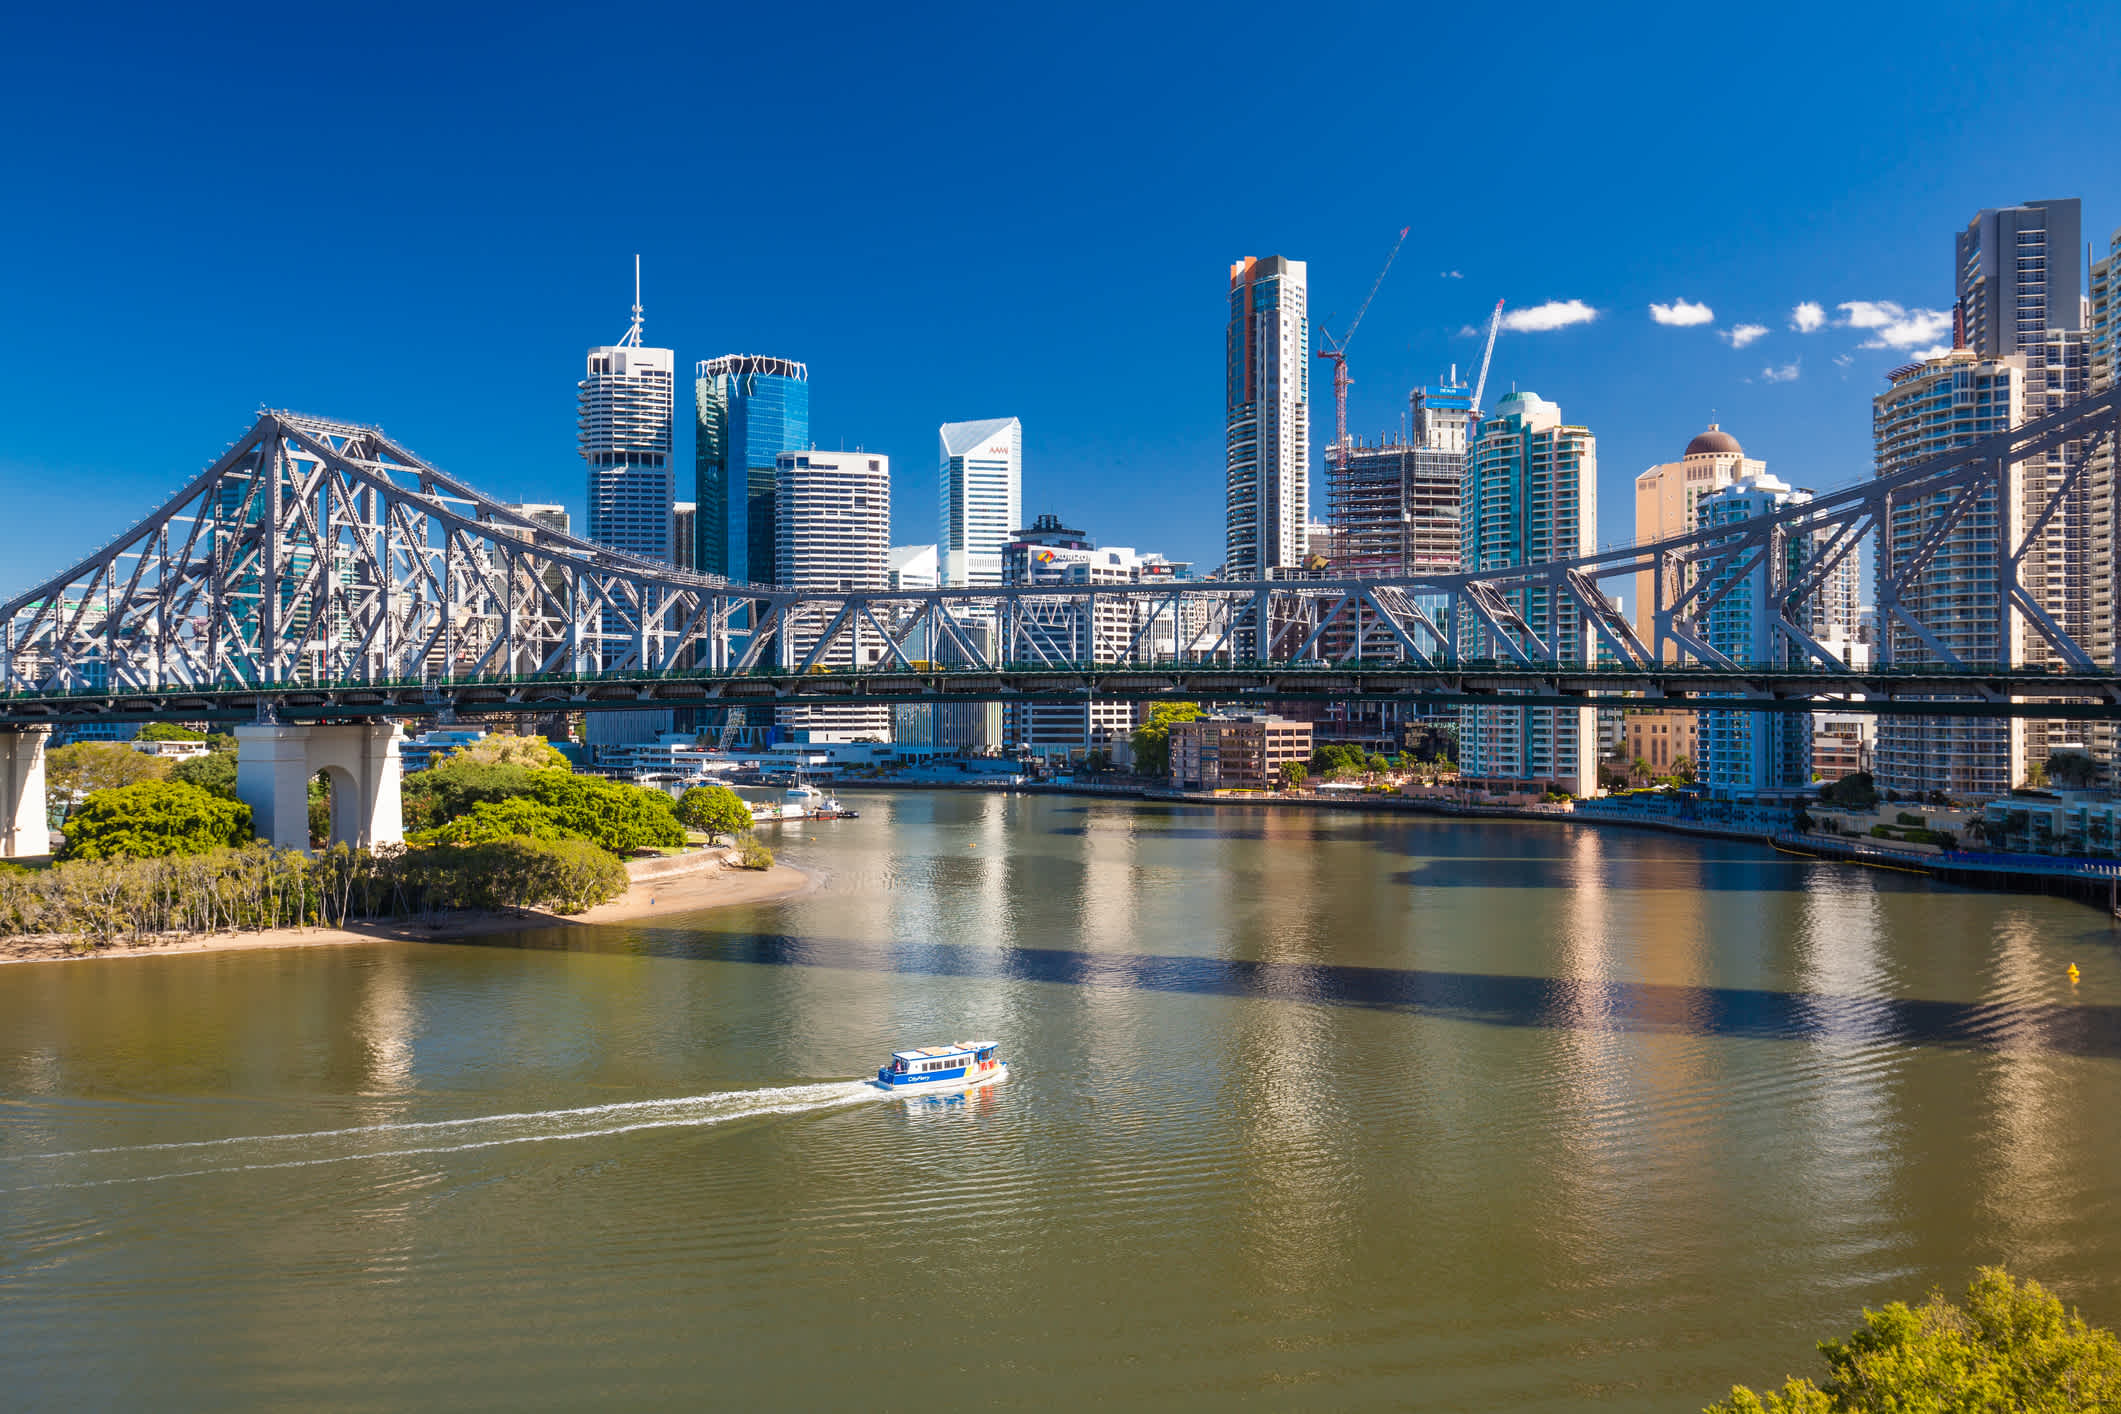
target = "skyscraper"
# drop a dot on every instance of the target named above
(1266, 495)
(1934, 407)
(1394, 506)
(1741, 754)
(684, 543)
(1531, 495)
(982, 486)
(832, 531)
(2017, 275)
(623, 413)
(750, 409)
(1666, 501)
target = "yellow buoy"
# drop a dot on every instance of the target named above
(2073, 972)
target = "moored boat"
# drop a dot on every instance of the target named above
(941, 1069)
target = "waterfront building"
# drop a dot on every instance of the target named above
(832, 531)
(1933, 407)
(1236, 753)
(623, 410)
(1267, 412)
(684, 519)
(546, 513)
(1061, 630)
(2104, 316)
(982, 494)
(913, 567)
(2016, 275)
(1843, 743)
(1660, 738)
(1666, 497)
(1742, 754)
(1394, 506)
(2020, 292)
(1530, 496)
(750, 408)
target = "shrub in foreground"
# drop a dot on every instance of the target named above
(2010, 1347)
(753, 855)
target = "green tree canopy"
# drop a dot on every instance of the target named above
(169, 731)
(2010, 1347)
(619, 817)
(440, 794)
(1152, 739)
(153, 818)
(85, 767)
(532, 751)
(214, 773)
(1856, 790)
(515, 818)
(2073, 769)
(714, 811)
(1293, 774)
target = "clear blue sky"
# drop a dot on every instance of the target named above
(420, 217)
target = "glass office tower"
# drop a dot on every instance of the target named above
(751, 409)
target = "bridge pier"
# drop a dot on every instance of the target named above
(25, 827)
(274, 765)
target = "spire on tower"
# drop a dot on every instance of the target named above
(633, 335)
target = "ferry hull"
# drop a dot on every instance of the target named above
(914, 1089)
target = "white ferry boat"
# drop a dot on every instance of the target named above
(800, 801)
(941, 1070)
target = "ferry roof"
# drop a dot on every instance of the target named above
(930, 1052)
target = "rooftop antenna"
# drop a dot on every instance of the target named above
(633, 335)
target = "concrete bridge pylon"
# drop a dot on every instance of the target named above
(25, 828)
(274, 765)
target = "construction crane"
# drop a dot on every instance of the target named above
(1494, 323)
(1337, 350)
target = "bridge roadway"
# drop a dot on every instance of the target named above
(1913, 691)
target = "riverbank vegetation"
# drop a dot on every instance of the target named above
(255, 887)
(2010, 1346)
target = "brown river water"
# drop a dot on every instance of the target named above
(1308, 1111)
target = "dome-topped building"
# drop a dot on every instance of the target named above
(1665, 497)
(1714, 443)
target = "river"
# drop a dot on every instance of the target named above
(1310, 1110)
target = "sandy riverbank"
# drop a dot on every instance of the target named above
(669, 890)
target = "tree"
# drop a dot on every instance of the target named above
(1376, 765)
(488, 821)
(169, 731)
(1152, 739)
(2073, 769)
(619, 817)
(1293, 774)
(153, 818)
(532, 751)
(714, 811)
(1683, 769)
(1639, 769)
(441, 793)
(2010, 1347)
(86, 767)
(214, 773)
(1857, 791)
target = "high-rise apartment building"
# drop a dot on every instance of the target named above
(2016, 275)
(1667, 498)
(750, 409)
(2104, 323)
(1933, 407)
(982, 493)
(832, 531)
(684, 521)
(624, 406)
(1530, 496)
(1394, 506)
(1741, 754)
(1266, 496)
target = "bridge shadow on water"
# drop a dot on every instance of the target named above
(1484, 998)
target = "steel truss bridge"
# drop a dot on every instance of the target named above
(320, 572)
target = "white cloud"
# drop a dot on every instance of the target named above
(1467, 331)
(1843, 360)
(1449, 275)
(1893, 327)
(1935, 351)
(1680, 312)
(1741, 335)
(1554, 314)
(1808, 317)
(1785, 374)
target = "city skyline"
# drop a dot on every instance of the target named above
(1109, 359)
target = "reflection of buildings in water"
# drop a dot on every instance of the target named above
(1298, 1176)
(2033, 1096)
(385, 1023)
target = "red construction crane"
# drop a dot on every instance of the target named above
(1337, 350)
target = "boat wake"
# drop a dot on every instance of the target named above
(88, 1168)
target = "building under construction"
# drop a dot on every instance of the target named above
(1394, 507)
